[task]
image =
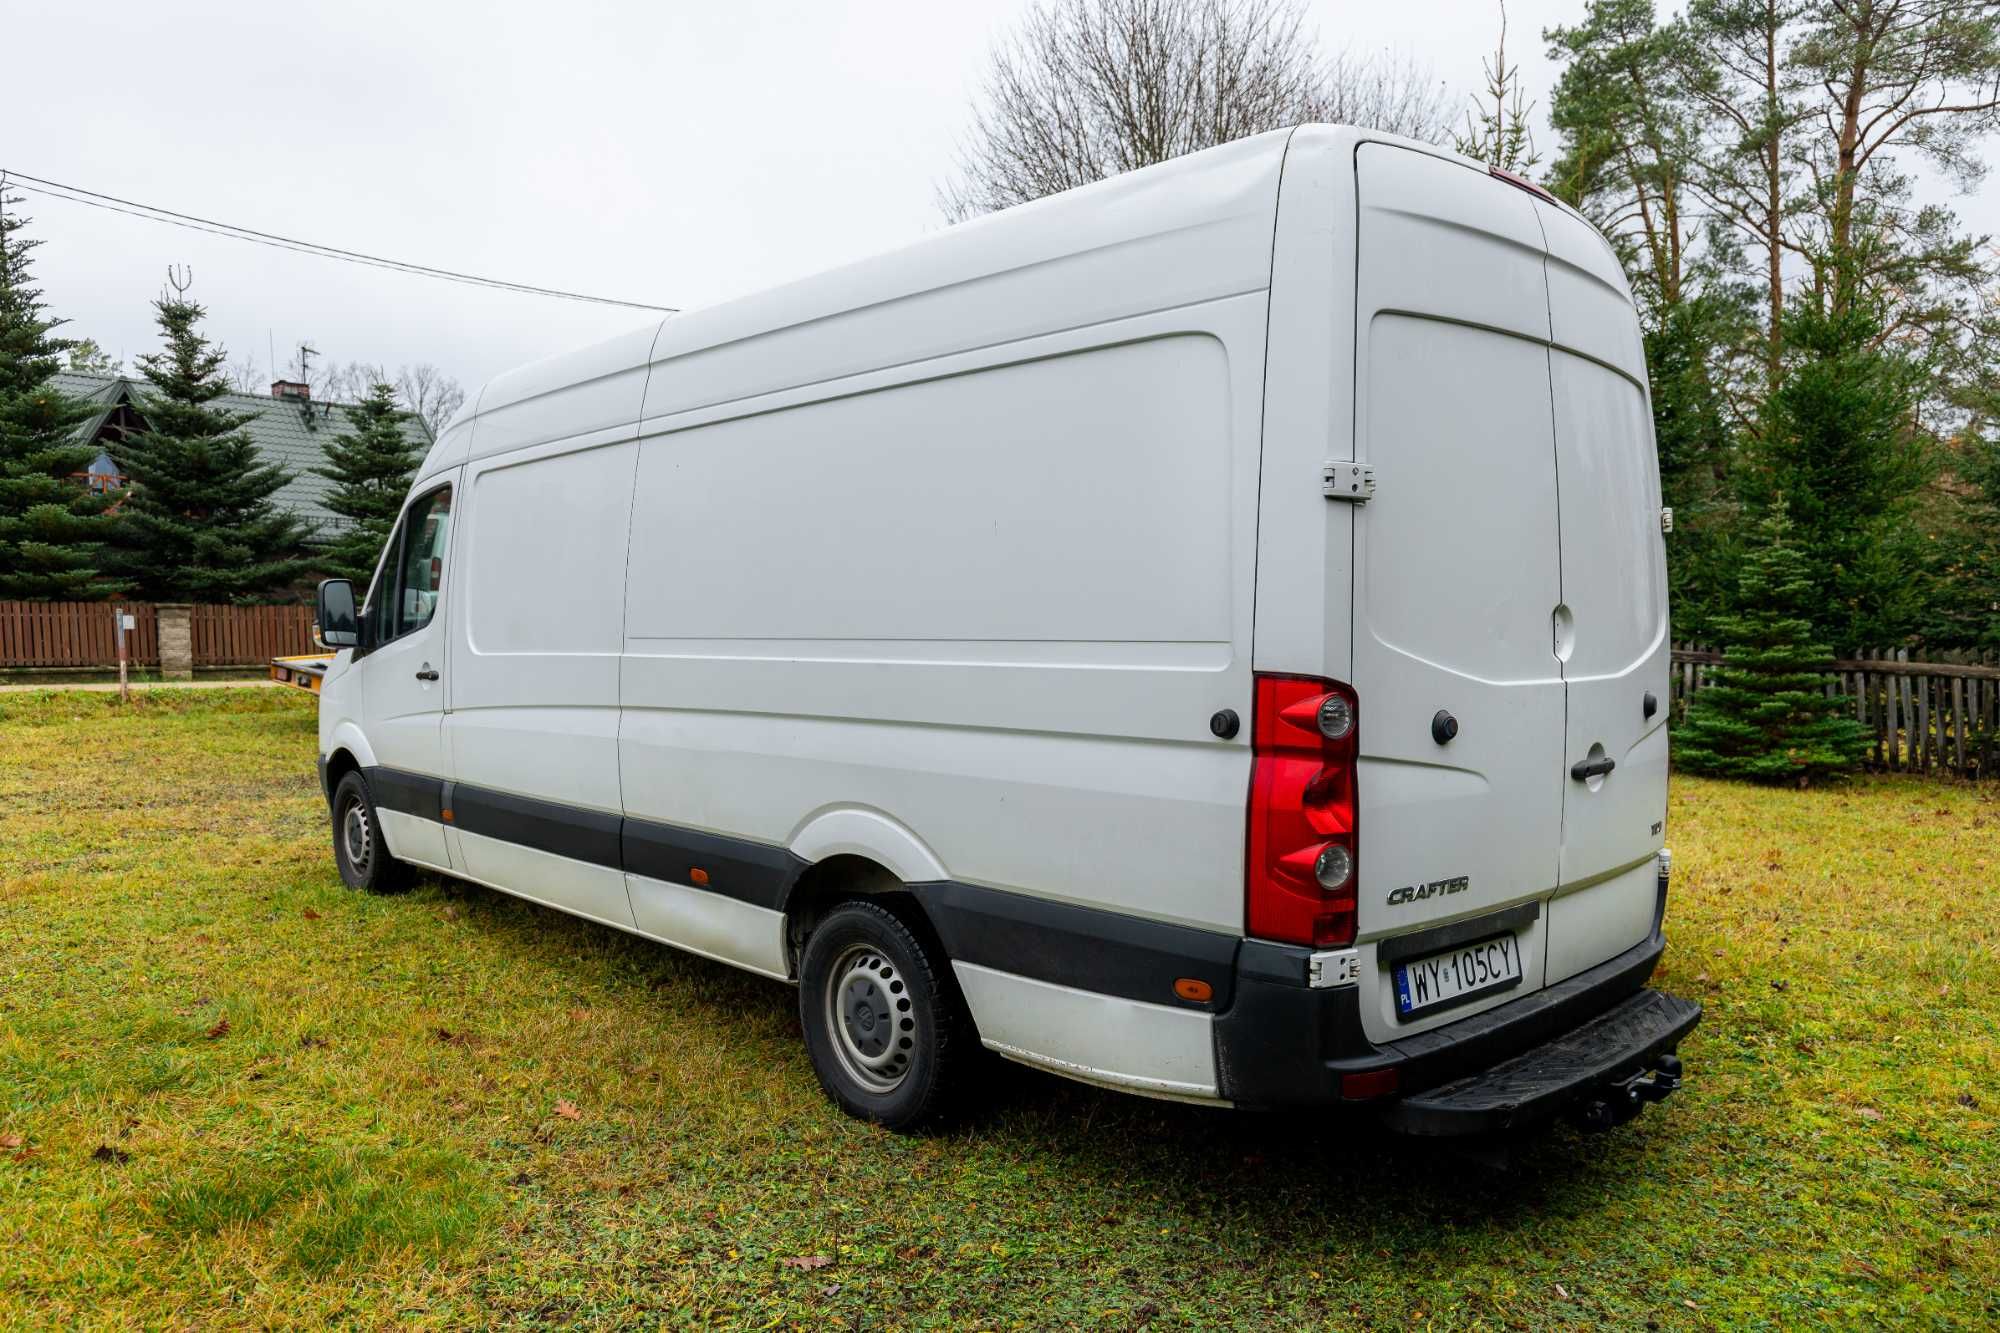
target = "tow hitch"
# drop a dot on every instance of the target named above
(1620, 1099)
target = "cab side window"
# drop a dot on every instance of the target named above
(420, 569)
(405, 594)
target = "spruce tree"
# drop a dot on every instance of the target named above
(1765, 714)
(200, 525)
(52, 526)
(371, 465)
(1841, 452)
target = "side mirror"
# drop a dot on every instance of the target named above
(333, 607)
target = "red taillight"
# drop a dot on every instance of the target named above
(1302, 808)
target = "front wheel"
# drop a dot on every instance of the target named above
(358, 848)
(884, 1023)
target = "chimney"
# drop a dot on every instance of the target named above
(292, 389)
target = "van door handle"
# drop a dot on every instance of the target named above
(427, 673)
(1583, 770)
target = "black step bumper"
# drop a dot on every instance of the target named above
(1595, 1037)
(1605, 1071)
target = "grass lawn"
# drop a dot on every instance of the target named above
(232, 1091)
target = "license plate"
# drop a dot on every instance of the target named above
(1457, 975)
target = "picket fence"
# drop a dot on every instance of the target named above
(1940, 716)
(69, 635)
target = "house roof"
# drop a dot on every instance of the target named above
(286, 431)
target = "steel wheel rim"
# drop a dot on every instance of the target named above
(871, 1018)
(357, 838)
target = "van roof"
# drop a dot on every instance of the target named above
(1186, 194)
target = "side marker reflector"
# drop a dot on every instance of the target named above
(1373, 1083)
(1195, 989)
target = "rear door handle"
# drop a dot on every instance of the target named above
(427, 673)
(1583, 770)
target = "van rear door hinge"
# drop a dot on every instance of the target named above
(1352, 482)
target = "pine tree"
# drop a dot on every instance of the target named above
(51, 526)
(1841, 452)
(1765, 714)
(200, 525)
(371, 465)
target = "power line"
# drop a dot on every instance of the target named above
(76, 194)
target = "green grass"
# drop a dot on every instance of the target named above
(374, 1136)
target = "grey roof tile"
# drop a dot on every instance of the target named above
(289, 433)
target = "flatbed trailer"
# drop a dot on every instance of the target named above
(305, 671)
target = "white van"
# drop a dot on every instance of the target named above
(1203, 634)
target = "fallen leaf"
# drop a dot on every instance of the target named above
(106, 1153)
(311, 915)
(1690, 1305)
(10, 1141)
(830, 1289)
(805, 1263)
(1560, 1291)
(1867, 1113)
(221, 1029)
(567, 1110)
(579, 1015)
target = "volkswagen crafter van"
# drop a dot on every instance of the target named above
(1203, 634)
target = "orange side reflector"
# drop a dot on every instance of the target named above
(698, 875)
(1194, 988)
(446, 814)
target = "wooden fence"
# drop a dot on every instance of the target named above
(1925, 717)
(60, 635)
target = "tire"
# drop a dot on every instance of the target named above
(358, 848)
(885, 1026)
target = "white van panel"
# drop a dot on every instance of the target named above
(1127, 1044)
(534, 678)
(590, 891)
(1305, 546)
(1586, 923)
(1446, 239)
(1590, 304)
(1458, 565)
(1615, 584)
(896, 620)
(1165, 237)
(1076, 499)
(594, 391)
(1133, 826)
(711, 925)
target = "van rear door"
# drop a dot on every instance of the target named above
(1458, 571)
(1615, 646)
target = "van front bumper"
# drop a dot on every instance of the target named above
(1599, 1044)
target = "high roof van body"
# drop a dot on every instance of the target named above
(1204, 634)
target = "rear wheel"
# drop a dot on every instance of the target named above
(884, 1023)
(358, 848)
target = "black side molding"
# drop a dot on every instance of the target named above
(1110, 953)
(561, 830)
(751, 872)
(406, 793)
(1088, 948)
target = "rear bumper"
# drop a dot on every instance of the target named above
(1282, 1043)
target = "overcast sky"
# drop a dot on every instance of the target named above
(663, 152)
